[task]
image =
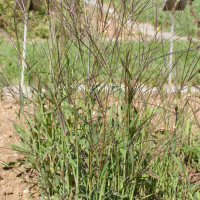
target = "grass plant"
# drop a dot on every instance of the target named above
(88, 129)
(158, 65)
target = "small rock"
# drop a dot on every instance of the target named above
(26, 191)
(46, 107)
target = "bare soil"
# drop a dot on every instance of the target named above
(12, 179)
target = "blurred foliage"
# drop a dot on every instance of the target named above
(37, 20)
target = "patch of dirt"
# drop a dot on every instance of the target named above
(193, 176)
(12, 179)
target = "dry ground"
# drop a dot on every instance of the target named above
(12, 180)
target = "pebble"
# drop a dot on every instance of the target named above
(26, 191)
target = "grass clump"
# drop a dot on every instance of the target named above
(90, 128)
